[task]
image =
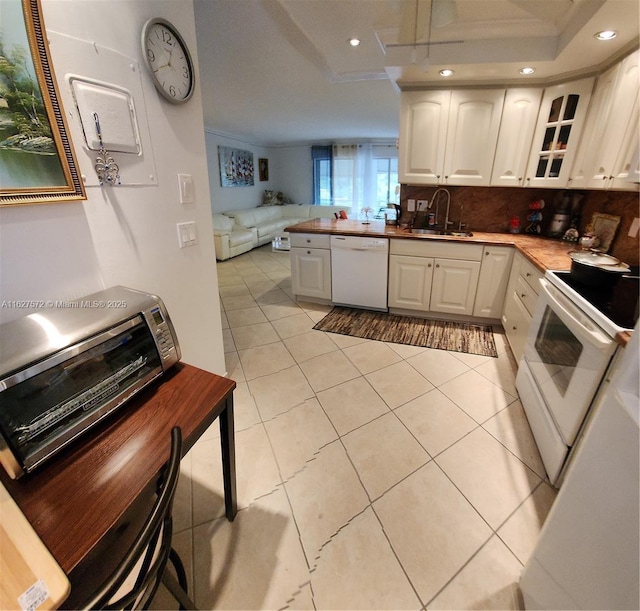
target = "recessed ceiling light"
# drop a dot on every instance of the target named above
(354, 42)
(527, 70)
(606, 35)
(446, 72)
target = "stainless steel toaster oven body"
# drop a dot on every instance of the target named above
(67, 366)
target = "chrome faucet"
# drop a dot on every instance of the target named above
(437, 192)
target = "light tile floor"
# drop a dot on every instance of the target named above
(370, 475)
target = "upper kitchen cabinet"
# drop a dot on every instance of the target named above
(611, 133)
(518, 123)
(560, 121)
(423, 133)
(472, 134)
(449, 137)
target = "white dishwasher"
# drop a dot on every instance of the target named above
(359, 270)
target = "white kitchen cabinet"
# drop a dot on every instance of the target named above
(449, 137)
(410, 282)
(625, 173)
(454, 286)
(472, 135)
(492, 285)
(310, 257)
(520, 300)
(516, 321)
(610, 136)
(557, 134)
(423, 131)
(451, 289)
(519, 116)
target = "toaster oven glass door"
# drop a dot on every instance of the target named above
(64, 395)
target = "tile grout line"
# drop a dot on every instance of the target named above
(370, 504)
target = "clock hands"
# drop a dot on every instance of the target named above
(170, 47)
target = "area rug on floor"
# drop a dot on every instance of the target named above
(439, 334)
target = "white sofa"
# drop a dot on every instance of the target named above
(264, 223)
(231, 240)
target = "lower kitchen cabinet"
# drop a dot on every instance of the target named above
(520, 301)
(454, 286)
(494, 277)
(433, 276)
(311, 266)
(410, 282)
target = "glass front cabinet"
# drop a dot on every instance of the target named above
(556, 138)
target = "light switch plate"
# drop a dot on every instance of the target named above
(633, 230)
(411, 205)
(187, 234)
(185, 186)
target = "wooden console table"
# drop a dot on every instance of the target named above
(83, 499)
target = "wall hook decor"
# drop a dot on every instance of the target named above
(106, 167)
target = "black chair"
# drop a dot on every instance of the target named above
(133, 584)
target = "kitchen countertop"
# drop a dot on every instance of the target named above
(544, 253)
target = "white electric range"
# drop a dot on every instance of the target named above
(569, 350)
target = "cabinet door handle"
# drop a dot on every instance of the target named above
(528, 274)
(429, 265)
(308, 252)
(308, 241)
(523, 295)
(437, 264)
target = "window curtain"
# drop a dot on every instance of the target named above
(354, 178)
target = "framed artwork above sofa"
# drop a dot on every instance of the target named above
(236, 167)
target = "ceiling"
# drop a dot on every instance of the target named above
(277, 72)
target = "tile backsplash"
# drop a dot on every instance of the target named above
(491, 209)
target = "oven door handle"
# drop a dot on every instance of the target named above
(575, 320)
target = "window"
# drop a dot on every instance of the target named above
(322, 175)
(387, 181)
(356, 176)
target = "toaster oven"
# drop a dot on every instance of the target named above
(67, 366)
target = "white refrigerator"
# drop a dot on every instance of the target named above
(588, 553)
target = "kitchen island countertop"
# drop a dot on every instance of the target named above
(545, 253)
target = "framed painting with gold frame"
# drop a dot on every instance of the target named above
(605, 227)
(37, 161)
(263, 169)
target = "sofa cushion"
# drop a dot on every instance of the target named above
(253, 217)
(222, 223)
(240, 236)
(295, 211)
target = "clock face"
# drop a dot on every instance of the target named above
(168, 60)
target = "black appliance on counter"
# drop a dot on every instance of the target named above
(64, 368)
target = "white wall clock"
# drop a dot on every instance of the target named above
(168, 60)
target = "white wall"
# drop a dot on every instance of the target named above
(296, 171)
(124, 235)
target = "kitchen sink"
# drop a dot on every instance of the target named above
(458, 234)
